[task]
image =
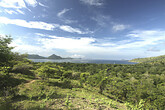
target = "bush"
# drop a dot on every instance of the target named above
(23, 68)
(46, 72)
(67, 74)
(76, 75)
(67, 83)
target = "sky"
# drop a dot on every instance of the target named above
(90, 29)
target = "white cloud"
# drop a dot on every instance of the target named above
(17, 4)
(10, 11)
(93, 2)
(72, 30)
(120, 27)
(19, 11)
(61, 13)
(22, 47)
(66, 43)
(30, 24)
(78, 47)
(63, 18)
(77, 56)
(143, 38)
(41, 25)
(12, 4)
(32, 3)
(42, 5)
(89, 47)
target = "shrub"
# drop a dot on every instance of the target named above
(46, 72)
(67, 74)
(23, 68)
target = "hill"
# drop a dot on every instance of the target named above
(54, 57)
(149, 59)
(33, 56)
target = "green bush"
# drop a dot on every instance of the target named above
(23, 68)
(76, 75)
(67, 74)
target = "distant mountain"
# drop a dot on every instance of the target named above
(33, 56)
(149, 59)
(54, 57)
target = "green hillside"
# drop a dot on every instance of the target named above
(27, 85)
(149, 59)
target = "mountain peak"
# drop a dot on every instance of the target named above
(53, 56)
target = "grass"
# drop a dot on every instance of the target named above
(36, 94)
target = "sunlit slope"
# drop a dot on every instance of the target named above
(149, 59)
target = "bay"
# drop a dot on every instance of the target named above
(84, 61)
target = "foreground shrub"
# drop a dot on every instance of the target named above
(23, 68)
(45, 72)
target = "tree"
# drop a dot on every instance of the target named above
(6, 54)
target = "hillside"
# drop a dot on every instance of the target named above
(37, 94)
(149, 59)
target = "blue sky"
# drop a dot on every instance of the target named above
(95, 29)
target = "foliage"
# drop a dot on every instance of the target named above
(5, 50)
(67, 74)
(150, 59)
(47, 71)
(22, 67)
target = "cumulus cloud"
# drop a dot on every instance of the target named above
(23, 47)
(78, 47)
(146, 38)
(30, 24)
(136, 42)
(66, 43)
(92, 2)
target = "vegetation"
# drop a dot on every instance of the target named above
(26, 85)
(150, 59)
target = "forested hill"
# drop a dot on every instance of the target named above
(35, 57)
(53, 56)
(41, 57)
(149, 59)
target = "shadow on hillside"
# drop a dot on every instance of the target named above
(61, 84)
(10, 82)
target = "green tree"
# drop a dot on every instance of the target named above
(6, 55)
